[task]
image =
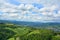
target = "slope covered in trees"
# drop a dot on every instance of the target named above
(18, 32)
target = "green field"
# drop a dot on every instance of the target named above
(17, 32)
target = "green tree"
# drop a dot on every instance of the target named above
(39, 35)
(6, 34)
(57, 37)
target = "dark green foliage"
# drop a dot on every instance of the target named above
(6, 34)
(39, 35)
(18, 32)
(57, 37)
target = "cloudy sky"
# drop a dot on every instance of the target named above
(30, 10)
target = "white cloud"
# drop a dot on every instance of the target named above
(49, 2)
(24, 12)
(29, 1)
(29, 6)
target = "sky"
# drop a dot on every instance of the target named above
(30, 10)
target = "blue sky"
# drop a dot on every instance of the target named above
(30, 10)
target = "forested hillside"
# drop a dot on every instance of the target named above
(18, 32)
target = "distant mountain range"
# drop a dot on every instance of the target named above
(33, 24)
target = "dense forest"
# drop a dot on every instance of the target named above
(19, 32)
